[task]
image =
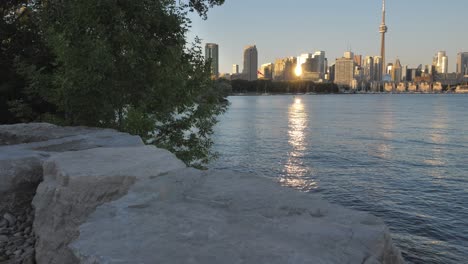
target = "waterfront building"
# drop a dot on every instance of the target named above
(424, 87)
(412, 74)
(368, 68)
(283, 69)
(212, 54)
(235, 69)
(389, 69)
(226, 76)
(358, 60)
(412, 87)
(331, 73)
(440, 62)
(462, 63)
(401, 87)
(396, 71)
(266, 71)
(301, 60)
(378, 68)
(249, 72)
(388, 87)
(344, 69)
(437, 87)
(321, 61)
(404, 72)
(349, 55)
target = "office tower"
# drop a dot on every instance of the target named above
(383, 29)
(249, 72)
(358, 60)
(444, 65)
(462, 63)
(331, 73)
(404, 73)
(212, 53)
(378, 68)
(396, 71)
(344, 70)
(440, 62)
(368, 66)
(349, 55)
(284, 69)
(389, 69)
(266, 71)
(321, 61)
(301, 60)
(235, 69)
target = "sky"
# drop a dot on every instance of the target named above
(417, 29)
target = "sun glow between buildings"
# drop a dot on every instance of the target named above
(298, 70)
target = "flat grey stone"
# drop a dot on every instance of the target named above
(190, 216)
(75, 183)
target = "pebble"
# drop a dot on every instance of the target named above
(4, 231)
(18, 252)
(3, 223)
(10, 219)
(3, 238)
(17, 237)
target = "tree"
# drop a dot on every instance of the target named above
(127, 65)
(20, 43)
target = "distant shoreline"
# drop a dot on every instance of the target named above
(339, 93)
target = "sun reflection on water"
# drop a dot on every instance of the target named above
(438, 137)
(297, 174)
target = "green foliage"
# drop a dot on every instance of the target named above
(125, 65)
(20, 47)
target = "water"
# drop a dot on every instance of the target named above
(400, 157)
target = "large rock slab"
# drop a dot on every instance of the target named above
(190, 216)
(75, 183)
(24, 147)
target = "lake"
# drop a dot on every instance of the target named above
(403, 158)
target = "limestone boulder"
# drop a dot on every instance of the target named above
(24, 147)
(190, 216)
(75, 183)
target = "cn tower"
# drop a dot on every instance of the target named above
(383, 29)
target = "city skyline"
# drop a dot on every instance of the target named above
(263, 25)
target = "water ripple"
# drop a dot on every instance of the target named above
(402, 158)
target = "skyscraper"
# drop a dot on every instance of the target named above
(440, 62)
(284, 69)
(383, 29)
(212, 53)
(249, 72)
(235, 69)
(358, 60)
(344, 70)
(322, 61)
(462, 63)
(266, 71)
(396, 71)
(378, 68)
(369, 68)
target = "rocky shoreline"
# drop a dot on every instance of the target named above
(17, 238)
(100, 196)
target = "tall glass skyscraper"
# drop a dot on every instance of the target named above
(212, 53)
(249, 72)
(462, 63)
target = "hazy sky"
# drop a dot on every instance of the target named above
(417, 29)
